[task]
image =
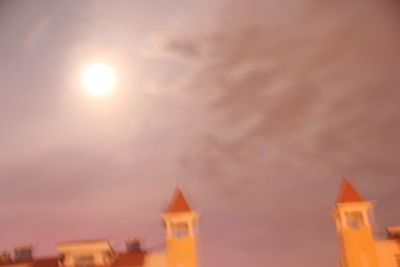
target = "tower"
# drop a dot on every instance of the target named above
(181, 223)
(354, 229)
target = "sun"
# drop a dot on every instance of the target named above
(99, 79)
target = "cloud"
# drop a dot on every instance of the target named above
(185, 48)
(311, 81)
(299, 94)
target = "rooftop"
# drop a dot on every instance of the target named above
(348, 194)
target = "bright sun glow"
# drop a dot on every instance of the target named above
(99, 79)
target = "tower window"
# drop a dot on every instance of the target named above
(354, 220)
(180, 229)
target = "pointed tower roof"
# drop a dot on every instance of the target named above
(178, 203)
(348, 194)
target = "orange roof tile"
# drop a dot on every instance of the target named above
(46, 262)
(348, 194)
(178, 203)
(42, 262)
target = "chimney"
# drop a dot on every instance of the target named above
(5, 257)
(133, 245)
(23, 253)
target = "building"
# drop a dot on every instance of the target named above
(181, 251)
(360, 245)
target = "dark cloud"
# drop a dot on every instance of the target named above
(185, 48)
(323, 82)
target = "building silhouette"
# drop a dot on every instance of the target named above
(360, 245)
(181, 251)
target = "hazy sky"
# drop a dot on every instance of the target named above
(256, 108)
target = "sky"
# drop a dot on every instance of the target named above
(257, 109)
